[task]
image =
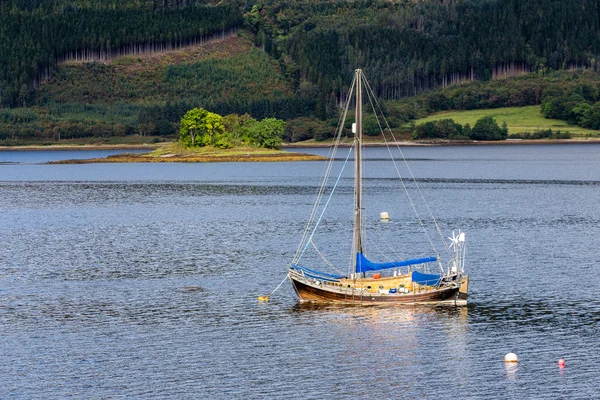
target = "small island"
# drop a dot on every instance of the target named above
(177, 153)
(208, 137)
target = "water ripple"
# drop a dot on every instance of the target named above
(142, 289)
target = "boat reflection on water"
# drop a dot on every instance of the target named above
(384, 312)
(388, 322)
(373, 317)
(390, 340)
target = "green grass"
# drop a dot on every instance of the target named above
(177, 148)
(518, 119)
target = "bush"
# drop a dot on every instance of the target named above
(561, 107)
(442, 129)
(267, 133)
(487, 128)
(300, 129)
(587, 116)
(541, 134)
(371, 126)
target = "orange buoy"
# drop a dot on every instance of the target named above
(376, 276)
(511, 358)
(561, 363)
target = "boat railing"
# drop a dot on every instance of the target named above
(316, 274)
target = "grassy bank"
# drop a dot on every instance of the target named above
(518, 120)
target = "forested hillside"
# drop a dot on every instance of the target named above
(304, 55)
(411, 46)
(36, 35)
(148, 94)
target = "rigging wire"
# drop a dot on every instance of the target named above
(325, 206)
(377, 230)
(325, 259)
(369, 94)
(319, 196)
(372, 97)
(321, 190)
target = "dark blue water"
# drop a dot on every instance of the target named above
(35, 156)
(141, 280)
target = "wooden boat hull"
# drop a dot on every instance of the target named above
(444, 295)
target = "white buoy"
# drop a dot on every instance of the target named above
(511, 358)
(384, 215)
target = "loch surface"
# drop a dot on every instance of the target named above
(41, 156)
(141, 280)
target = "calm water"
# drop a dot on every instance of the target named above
(141, 280)
(27, 157)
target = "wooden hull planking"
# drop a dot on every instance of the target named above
(446, 295)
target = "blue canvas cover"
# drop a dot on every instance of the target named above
(426, 279)
(364, 265)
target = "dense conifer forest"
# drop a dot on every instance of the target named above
(411, 46)
(36, 36)
(60, 75)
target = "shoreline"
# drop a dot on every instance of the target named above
(195, 158)
(434, 143)
(312, 144)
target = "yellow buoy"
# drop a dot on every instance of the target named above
(511, 358)
(263, 298)
(384, 215)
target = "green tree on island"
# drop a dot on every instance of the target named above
(199, 127)
(266, 133)
(192, 124)
(214, 128)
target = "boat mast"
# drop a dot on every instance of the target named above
(358, 136)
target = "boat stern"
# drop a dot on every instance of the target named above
(463, 291)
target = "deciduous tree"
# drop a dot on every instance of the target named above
(192, 125)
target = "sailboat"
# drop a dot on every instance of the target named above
(406, 281)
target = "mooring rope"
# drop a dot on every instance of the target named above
(266, 298)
